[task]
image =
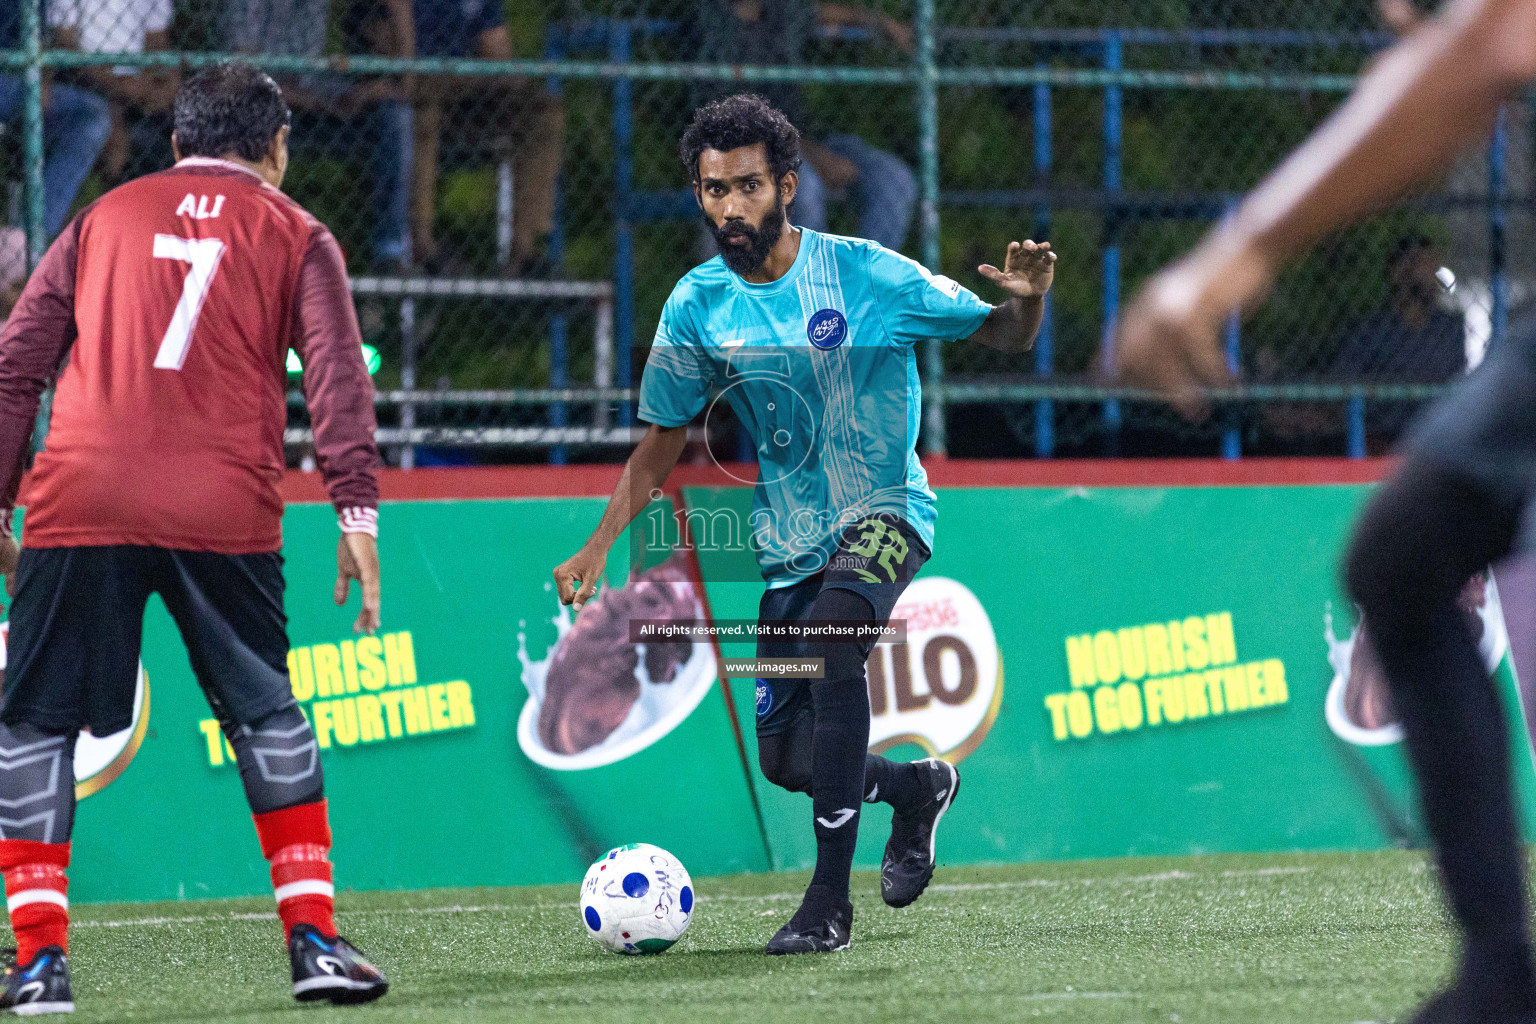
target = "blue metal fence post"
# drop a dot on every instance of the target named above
(1232, 437)
(559, 356)
(1045, 343)
(1354, 428)
(32, 128)
(1498, 275)
(928, 173)
(1232, 433)
(624, 230)
(1113, 99)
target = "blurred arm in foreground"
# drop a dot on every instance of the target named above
(1422, 103)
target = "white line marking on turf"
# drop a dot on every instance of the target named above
(1028, 883)
(1041, 996)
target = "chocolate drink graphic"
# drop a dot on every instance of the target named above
(592, 683)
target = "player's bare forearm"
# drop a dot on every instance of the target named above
(646, 471)
(648, 467)
(1029, 270)
(1420, 105)
(1013, 326)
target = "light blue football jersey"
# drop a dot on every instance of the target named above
(820, 368)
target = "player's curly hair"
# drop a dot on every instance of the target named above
(229, 108)
(741, 120)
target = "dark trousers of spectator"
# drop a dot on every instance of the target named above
(75, 127)
(383, 131)
(522, 119)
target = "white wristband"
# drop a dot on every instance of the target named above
(358, 519)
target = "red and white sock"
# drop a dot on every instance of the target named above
(36, 894)
(297, 841)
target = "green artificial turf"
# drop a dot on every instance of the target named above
(1303, 938)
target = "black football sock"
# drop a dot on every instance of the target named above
(840, 740)
(891, 782)
(838, 747)
(1419, 541)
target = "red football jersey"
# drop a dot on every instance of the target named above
(175, 299)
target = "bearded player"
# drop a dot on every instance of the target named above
(1461, 497)
(175, 299)
(812, 339)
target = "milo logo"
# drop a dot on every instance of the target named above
(826, 329)
(942, 688)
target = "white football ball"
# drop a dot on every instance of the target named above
(637, 899)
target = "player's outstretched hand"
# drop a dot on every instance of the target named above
(357, 558)
(1028, 269)
(10, 554)
(576, 577)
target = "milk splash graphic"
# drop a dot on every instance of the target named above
(1492, 645)
(659, 709)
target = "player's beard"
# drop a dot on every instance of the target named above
(749, 258)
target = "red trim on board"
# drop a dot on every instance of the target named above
(1152, 472)
(598, 481)
(480, 482)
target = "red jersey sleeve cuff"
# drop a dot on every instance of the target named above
(358, 519)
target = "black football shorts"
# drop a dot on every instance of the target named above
(877, 557)
(78, 618)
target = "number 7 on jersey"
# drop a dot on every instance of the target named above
(203, 255)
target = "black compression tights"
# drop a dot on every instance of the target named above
(1421, 538)
(825, 753)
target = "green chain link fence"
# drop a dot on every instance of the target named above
(504, 180)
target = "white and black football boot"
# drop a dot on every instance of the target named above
(823, 924)
(39, 987)
(331, 969)
(907, 867)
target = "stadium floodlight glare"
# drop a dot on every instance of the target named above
(370, 357)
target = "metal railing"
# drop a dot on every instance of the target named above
(932, 68)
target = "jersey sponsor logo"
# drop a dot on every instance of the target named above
(99, 760)
(942, 689)
(826, 329)
(764, 698)
(1357, 707)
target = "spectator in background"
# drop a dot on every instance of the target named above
(1413, 339)
(530, 123)
(139, 99)
(779, 32)
(334, 109)
(75, 127)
